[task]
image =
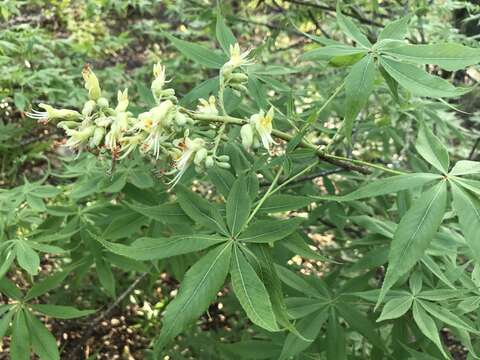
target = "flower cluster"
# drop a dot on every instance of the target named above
(166, 131)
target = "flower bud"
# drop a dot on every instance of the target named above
(88, 108)
(200, 156)
(168, 93)
(68, 125)
(238, 78)
(181, 119)
(102, 103)
(122, 99)
(223, 165)
(223, 158)
(239, 87)
(103, 121)
(91, 83)
(209, 162)
(246, 133)
(97, 137)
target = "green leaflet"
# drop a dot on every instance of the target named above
(144, 249)
(327, 52)
(164, 213)
(251, 292)
(465, 167)
(395, 308)
(432, 150)
(395, 30)
(414, 233)
(448, 56)
(27, 258)
(200, 210)
(309, 327)
(7, 259)
(360, 323)
(351, 30)
(265, 231)
(468, 211)
(5, 320)
(47, 284)
(448, 317)
(336, 345)
(298, 246)
(419, 82)
(197, 53)
(252, 349)
(300, 307)
(284, 202)
(384, 186)
(197, 290)
(105, 275)
(427, 326)
(20, 344)
(238, 206)
(43, 342)
(61, 311)
(224, 35)
(222, 179)
(124, 225)
(296, 282)
(358, 87)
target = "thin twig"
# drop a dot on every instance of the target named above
(344, 162)
(104, 314)
(472, 152)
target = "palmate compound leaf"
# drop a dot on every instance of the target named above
(197, 290)
(385, 186)
(467, 208)
(144, 249)
(419, 82)
(414, 233)
(251, 292)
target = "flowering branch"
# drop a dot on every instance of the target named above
(344, 162)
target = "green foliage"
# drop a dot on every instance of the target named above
(201, 182)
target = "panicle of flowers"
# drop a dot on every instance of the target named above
(165, 133)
